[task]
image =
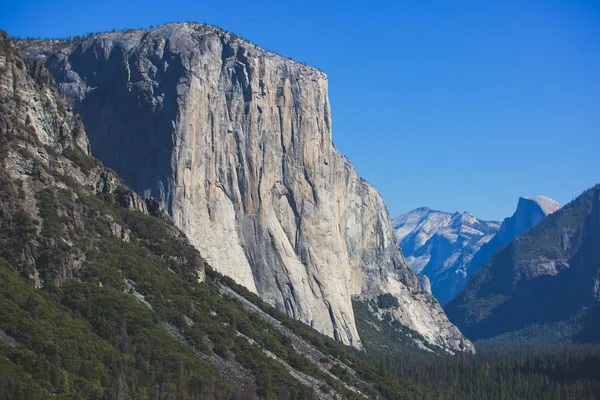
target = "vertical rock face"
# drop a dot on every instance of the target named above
(440, 246)
(236, 142)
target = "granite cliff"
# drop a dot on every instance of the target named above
(99, 299)
(236, 143)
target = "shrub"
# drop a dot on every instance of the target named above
(386, 300)
(85, 162)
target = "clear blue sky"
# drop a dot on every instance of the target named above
(458, 105)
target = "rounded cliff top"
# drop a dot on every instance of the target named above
(546, 204)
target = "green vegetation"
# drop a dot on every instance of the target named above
(511, 368)
(87, 333)
(386, 334)
(387, 300)
(75, 154)
(388, 385)
(87, 341)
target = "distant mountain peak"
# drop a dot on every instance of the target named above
(545, 276)
(530, 211)
(547, 204)
(437, 243)
(449, 247)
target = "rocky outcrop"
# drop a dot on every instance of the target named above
(45, 168)
(425, 283)
(236, 143)
(440, 246)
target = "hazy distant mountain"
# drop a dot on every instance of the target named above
(440, 245)
(546, 282)
(530, 211)
(448, 248)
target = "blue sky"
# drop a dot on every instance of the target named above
(462, 105)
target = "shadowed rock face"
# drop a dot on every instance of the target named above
(236, 142)
(44, 147)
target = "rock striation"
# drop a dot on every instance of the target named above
(236, 142)
(440, 245)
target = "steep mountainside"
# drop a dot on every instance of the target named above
(529, 212)
(236, 143)
(547, 276)
(441, 245)
(100, 300)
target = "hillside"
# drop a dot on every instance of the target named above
(544, 284)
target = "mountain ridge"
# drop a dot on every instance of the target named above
(523, 282)
(440, 245)
(429, 239)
